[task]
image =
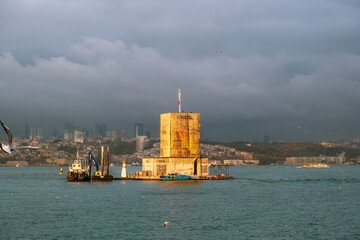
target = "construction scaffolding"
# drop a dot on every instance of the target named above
(219, 170)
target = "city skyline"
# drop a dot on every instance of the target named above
(284, 69)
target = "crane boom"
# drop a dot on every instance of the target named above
(93, 160)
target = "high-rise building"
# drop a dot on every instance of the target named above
(98, 131)
(69, 126)
(121, 134)
(79, 136)
(148, 133)
(266, 139)
(114, 135)
(32, 133)
(67, 135)
(55, 133)
(39, 133)
(138, 129)
(27, 131)
(141, 142)
(104, 128)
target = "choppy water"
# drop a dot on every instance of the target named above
(264, 202)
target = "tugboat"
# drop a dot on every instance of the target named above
(78, 171)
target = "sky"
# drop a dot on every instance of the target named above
(286, 69)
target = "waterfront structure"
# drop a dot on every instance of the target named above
(305, 160)
(238, 162)
(179, 147)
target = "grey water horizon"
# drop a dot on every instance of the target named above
(263, 202)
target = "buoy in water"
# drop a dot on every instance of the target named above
(61, 171)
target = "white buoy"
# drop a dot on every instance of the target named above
(123, 171)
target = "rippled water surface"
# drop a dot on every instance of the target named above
(263, 202)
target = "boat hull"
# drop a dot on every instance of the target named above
(317, 165)
(77, 177)
(105, 178)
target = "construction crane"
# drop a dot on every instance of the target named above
(91, 156)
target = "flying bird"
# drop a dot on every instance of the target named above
(219, 51)
(166, 223)
(8, 148)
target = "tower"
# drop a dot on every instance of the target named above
(180, 135)
(27, 131)
(179, 147)
(138, 129)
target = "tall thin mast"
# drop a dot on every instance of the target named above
(179, 102)
(102, 161)
(108, 161)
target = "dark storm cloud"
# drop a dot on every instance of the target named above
(284, 64)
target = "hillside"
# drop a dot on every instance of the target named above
(276, 152)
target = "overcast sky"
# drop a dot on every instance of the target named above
(288, 69)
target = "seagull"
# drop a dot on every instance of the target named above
(166, 222)
(8, 148)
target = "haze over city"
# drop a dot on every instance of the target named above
(287, 69)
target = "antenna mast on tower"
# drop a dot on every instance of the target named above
(179, 102)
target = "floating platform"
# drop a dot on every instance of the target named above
(103, 178)
(315, 165)
(198, 178)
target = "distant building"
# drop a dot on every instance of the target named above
(27, 131)
(68, 136)
(121, 134)
(55, 133)
(98, 131)
(142, 142)
(104, 128)
(266, 139)
(32, 133)
(79, 136)
(234, 162)
(36, 133)
(244, 155)
(108, 133)
(112, 135)
(238, 162)
(69, 126)
(40, 133)
(138, 129)
(302, 160)
(148, 133)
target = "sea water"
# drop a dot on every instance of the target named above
(263, 202)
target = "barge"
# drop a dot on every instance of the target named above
(80, 170)
(315, 165)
